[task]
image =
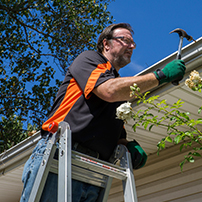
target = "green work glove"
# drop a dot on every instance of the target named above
(173, 71)
(138, 155)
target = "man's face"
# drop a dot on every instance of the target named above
(121, 47)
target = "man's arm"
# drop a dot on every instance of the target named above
(118, 89)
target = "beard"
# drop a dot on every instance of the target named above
(122, 60)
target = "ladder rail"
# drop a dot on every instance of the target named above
(64, 167)
(129, 184)
(43, 172)
(105, 192)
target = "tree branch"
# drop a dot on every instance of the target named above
(25, 25)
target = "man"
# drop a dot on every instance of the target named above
(87, 100)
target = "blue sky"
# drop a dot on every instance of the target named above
(152, 21)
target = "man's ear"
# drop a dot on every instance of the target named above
(106, 44)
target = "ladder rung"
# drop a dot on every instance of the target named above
(83, 175)
(98, 166)
(94, 168)
(89, 176)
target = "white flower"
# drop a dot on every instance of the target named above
(194, 80)
(124, 111)
(195, 77)
(190, 84)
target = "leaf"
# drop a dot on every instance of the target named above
(145, 124)
(185, 115)
(150, 127)
(196, 154)
(169, 139)
(161, 144)
(177, 139)
(182, 164)
(135, 126)
(181, 147)
(190, 159)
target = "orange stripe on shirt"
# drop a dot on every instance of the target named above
(101, 68)
(73, 93)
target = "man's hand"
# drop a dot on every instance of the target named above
(173, 71)
(138, 155)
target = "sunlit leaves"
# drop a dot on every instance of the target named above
(36, 36)
(12, 132)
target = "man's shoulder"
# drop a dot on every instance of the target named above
(88, 59)
(92, 55)
(89, 52)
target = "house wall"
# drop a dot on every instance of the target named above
(162, 180)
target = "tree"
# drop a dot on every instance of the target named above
(35, 37)
(12, 132)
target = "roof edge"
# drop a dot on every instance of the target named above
(190, 52)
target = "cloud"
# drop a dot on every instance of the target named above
(131, 69)
(136, 67)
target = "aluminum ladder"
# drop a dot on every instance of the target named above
(72, 164)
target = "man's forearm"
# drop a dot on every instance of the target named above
(118, 89)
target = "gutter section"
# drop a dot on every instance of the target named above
(190, 53)
(192, 56)
(18, 154)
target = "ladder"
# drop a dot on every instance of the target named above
(72, 164)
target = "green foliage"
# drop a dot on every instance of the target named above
(35, 37)
(12, 132)
(171, 118)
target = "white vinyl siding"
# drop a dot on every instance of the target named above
(162, 180)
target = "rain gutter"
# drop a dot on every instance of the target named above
(192, 56)
(18, 154)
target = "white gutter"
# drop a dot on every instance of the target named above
(190, 53)
(18, 154)
(192, 56)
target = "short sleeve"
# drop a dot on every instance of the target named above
(90, 69)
